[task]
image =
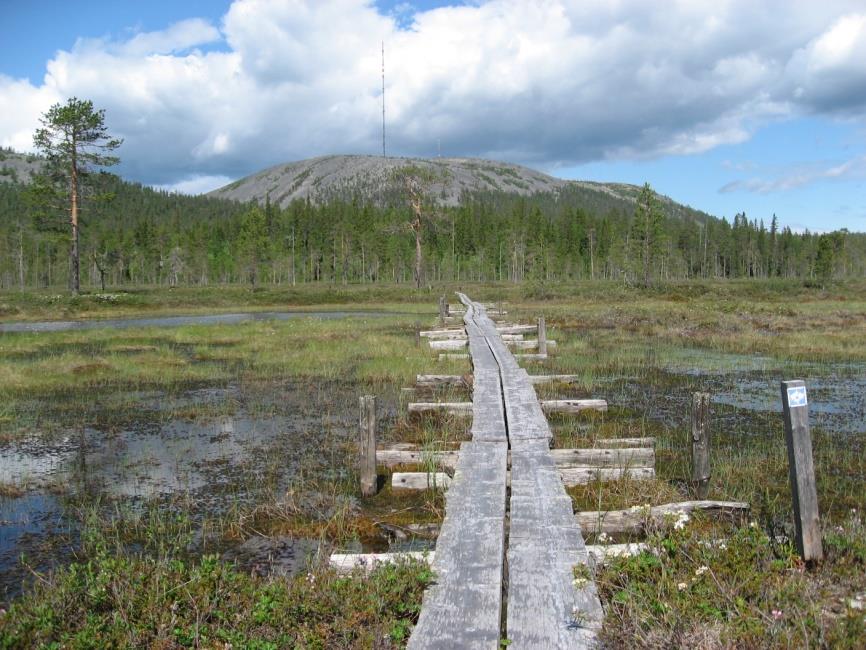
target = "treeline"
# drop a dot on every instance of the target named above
(145, 236)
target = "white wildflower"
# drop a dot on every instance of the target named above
(701, 570)
(682, 519)
(682, 586)
(603, 538)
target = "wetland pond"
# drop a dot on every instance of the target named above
(249, 443)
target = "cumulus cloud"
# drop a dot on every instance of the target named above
(543, 82)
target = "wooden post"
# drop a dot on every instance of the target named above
(701, 444)
(417, 334)
(442, 310)
(367, 445)
(801, 470)
(542, 336)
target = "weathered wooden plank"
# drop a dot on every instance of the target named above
(463, 608)
(638, 519)
(420, 481)
(348, 562)
(447, 356)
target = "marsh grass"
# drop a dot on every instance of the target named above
(698, 587)
(124, 592)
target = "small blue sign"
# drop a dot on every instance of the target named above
(797, 396)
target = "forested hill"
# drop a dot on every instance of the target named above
(450, 181)
(549, 230)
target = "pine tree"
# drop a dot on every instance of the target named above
(75, 141)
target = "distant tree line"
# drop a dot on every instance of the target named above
(146, 236)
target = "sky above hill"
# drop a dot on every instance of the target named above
(727, 105)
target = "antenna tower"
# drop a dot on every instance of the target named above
(384, 155)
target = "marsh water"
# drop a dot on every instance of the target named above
(252, 444)
(178, 321)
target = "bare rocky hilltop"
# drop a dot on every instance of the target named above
(374, 177)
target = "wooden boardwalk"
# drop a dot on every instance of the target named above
(505, 564)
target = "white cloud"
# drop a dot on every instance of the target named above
(546, 82)
(195, 184)
(800, 177)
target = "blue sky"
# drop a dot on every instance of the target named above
(728, 107)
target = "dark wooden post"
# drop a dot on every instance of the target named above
(442, 309)
(701, 444)
(367, 445)
(801, 470)
(542, 336)
(417, 334)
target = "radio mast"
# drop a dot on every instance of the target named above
(384, 155)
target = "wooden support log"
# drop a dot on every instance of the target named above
(636, 520)
(434, 381)
(552, 379)
(626, 442)
(549, 406)
(604, 553)
(516, 329)
(449, 408)
(448, 355)
(572, 476)
(529, 345)
(633, 458)
(348, 562)
(395, 457)
(443, 309)
(449, 344)
(801, 471)
(437, 381)
(573, 405)
(420, 481)
(367, 445)
(701, 444)
(531, 357)
(443, 334)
